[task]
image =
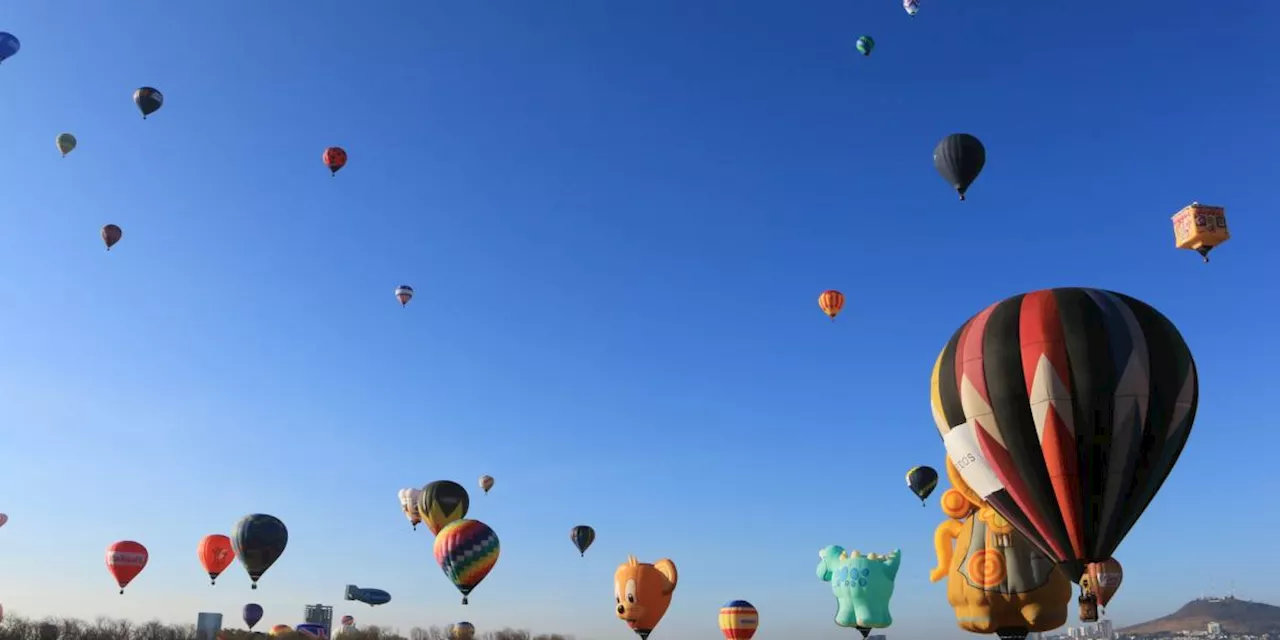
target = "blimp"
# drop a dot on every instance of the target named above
(370, 597)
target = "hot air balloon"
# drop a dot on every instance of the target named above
(462, 631)
(3, 519)
(9, 45)
(997, 581)
(252, 614)
(348, 621)
(1065, 410)
(486, 483)
(334, 158)
(1105, 578)
(125, 560)
(281, 629)
(1200, 227)
(215, 554)
(831, 302)
(582, 537)
(404, 293)
(111, 234)
(467, 551)
(149, 100)
(311, 629)
(865, 45)
(409, 505)
(259, 540)
(959, 158)
(442, 502)
(642, 593)
(66, 143)
(921, 481)
(370, 597)
(912, 7)
(862, 584)
(739, 620)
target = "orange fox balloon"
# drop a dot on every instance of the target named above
(642, 593)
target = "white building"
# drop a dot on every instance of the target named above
(1215, 629)
(208, 625)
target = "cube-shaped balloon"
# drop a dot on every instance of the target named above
(1200, 227)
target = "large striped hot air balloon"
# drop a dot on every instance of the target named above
(1065, 410)
(739, 620)
(831, 302)
(467, 551)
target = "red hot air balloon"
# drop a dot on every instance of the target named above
(334, 158)
(215, 554)
(125, 560)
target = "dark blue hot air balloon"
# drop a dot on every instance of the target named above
(9, 45)
(259, 540)
(310, 629)
(252, 614)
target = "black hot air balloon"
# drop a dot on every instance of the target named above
(582, 537)
(111, 234)
(149, 100)
(259, 540)
(959, 159)
(1065, 410)
(922, 481)
(442, 502)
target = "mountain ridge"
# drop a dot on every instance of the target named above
(1235, 615)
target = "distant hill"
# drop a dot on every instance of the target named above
(1236, 616)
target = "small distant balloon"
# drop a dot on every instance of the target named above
(922, 481)
(486, 483)
(739, 620)
(9, 45)
(831, 302)
(462, 631)
(252, 614)
(865, 44)
(66, 143)
(335, 158)
(281, 629)
(111, 234)
(912, 7)
(215, 554)
(582, 537)
(3, 519)
(259, 540)
(348, 621)
(311, 629)
(959, 158)
(404, 293)
(125, 560)
(149, 100)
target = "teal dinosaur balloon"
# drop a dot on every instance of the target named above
(863, 586)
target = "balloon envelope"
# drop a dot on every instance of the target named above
(259, 540)
(111, 234)
(9, 45)
(3, 519)
(442, 502)
(148, 99)
(281, 629)
(125, 560)
(215, 554)
(582, 537)
(739, 620)
(65, 143)
(313, 630)
(959, 158)
(1065, 410)
(467, 551)
(252, 614)
(922, 481)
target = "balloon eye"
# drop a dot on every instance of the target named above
(631, 598)
(617, 599)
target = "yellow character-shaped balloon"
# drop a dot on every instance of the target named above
(997, 581)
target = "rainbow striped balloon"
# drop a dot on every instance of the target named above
(738, 620)
(467, 551)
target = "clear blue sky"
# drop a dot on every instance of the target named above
(618, 217)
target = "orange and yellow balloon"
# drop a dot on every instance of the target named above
(738, 620)
(831, 302)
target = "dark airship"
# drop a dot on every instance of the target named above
(370, 597)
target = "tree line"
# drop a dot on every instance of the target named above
(16, 628)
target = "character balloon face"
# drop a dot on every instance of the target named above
(642, 592)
